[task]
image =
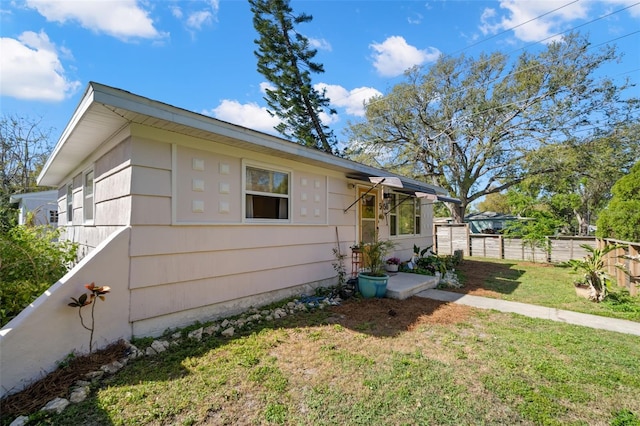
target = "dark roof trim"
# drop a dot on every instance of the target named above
(410, 187)
(448, 199)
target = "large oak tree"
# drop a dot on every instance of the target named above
(477, 126)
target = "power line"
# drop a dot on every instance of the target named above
(561, 33)
(513, 103)
(546, 38)
(495, 35)
(512, 28)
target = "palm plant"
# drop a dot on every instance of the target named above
(373, 257)
(594, 266)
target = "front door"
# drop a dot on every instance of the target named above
(368, 215)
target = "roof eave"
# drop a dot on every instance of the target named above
(114, 98)
(81, 109)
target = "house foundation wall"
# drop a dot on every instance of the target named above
(156, 326)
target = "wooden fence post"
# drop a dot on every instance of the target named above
(634, 269)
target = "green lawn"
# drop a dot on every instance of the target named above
(545, 285)
(443, 365)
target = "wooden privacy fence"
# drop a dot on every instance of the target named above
(451, 237)
(628, 257)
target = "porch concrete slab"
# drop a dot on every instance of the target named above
(403, 285)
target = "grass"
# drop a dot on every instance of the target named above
(333, 367)
(547, 285)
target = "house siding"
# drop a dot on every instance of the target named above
(112, 199)
(170, 264)
(182, 261)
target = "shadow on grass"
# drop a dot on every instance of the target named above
(481, 277)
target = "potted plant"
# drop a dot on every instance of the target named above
(372, 281)
(392, 264)
(594, 266)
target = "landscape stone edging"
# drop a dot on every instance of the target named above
(226, 328)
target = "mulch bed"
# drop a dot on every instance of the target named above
(58, 383)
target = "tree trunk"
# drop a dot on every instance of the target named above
(583, 225)
(457, 212)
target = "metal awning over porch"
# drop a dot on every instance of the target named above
(409, 186)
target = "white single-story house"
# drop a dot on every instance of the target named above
(188, 218)
(43, 205)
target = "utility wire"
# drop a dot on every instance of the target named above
(492, 37)
(511, 29)
(553, 36)
(513, 103)
(544, 39)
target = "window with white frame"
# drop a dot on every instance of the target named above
(404, 216)
(70, 203)
(53, 216)
(266, 193)
(87, 193)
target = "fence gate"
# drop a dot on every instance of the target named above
(449, 237)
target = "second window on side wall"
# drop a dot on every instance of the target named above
(404, 218)
(87, 192)
(70, 203)
(266, 194)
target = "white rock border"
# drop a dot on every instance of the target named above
(226, 328)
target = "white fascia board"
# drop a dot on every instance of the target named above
(79, 112)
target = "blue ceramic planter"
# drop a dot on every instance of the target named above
(372, 286)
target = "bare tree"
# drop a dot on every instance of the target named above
(479, 126)
(24, 148)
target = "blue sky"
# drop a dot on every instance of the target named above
(198, 54)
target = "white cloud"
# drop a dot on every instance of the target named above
(266, 85)
(249, 115)
(122, 19)
(393, 56)
(176, 12)
(633, 11)
(320, 44)
(253, 116)
(415, 19)
(195, 20)
(351, 100)
(30, 69)
(328, 119)
(518, 13)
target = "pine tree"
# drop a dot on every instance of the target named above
(285, 59)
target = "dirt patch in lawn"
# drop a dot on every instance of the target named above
(390, 317)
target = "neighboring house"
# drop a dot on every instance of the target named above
(488, 222)
(43, 205)
(188, 218)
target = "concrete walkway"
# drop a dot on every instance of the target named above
(534, 311)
